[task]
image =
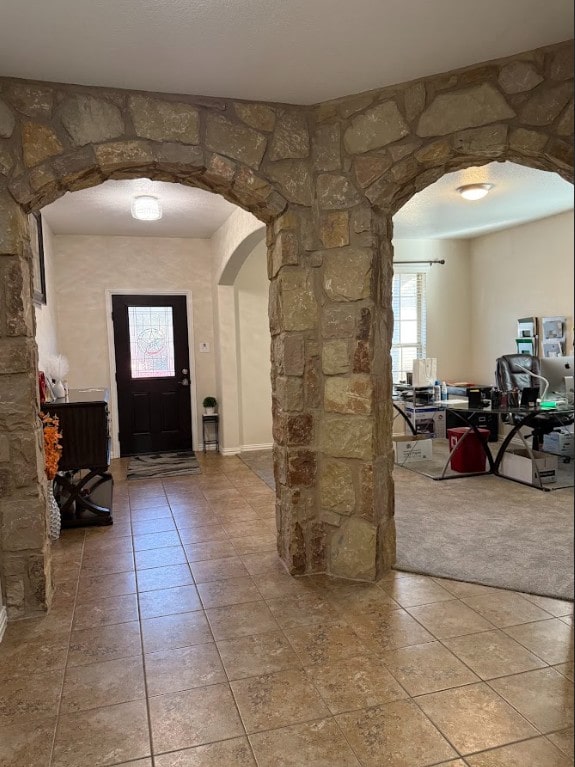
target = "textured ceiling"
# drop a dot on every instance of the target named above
(520, 194)
(299, 51)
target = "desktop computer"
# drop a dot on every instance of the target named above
(558, 371)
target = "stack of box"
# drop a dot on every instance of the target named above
(559, 442)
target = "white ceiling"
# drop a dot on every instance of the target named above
(300, 51)
(519, 195)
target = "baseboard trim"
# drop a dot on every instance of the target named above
(230, 450)
(262, 446)
(3, 621)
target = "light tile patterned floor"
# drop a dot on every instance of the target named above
(177, 639)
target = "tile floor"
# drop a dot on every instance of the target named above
(177, 639)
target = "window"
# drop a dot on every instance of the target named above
(409, 321)
(151, 341)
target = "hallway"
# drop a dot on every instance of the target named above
(177, 639)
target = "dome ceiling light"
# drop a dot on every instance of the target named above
(146, 208)
(474, 191)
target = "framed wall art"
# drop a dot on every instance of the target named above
(38, 268)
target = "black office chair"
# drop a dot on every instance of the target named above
(513, 371)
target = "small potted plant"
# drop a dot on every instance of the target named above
(209, 404)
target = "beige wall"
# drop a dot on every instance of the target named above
(448, 299)
(87, 266)
(252, 289)
(520, 272)
(46, 324)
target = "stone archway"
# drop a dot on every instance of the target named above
(326, 181)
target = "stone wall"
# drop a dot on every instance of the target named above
(326, 180)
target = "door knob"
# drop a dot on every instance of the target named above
(184, 382)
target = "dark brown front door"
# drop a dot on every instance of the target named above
(152, 373)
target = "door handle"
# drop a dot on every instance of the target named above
(184, 382)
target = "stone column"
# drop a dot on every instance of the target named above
(331, 324)
(24, 545)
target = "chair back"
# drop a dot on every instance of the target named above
(510, 375)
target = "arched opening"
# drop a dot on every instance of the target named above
(465, 273)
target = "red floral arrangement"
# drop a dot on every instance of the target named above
(52, 446)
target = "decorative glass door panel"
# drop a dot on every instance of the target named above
(151, 330)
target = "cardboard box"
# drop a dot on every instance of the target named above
(559, 443)
(517, 464)
(423, 418)
(411, 449)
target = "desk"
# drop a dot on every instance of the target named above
(522, 417)
(83, 486)
(211, 422)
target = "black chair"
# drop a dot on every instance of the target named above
(514, 371)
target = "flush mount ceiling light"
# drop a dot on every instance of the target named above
(474, 191)
(146, 208)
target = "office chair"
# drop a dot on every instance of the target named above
(513, 371)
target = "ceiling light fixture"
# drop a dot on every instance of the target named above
(474, 191)
(146, 208)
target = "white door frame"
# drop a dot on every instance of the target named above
(112, 360)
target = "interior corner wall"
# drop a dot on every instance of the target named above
(522, 271)
(85, 267)
(46, 320)
(252, 297)
(448, 302)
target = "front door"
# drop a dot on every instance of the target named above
(152, 373)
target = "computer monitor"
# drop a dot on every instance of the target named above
(555, 370)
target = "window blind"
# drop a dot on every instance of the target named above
(409, 322)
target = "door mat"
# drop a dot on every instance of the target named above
(158, 465)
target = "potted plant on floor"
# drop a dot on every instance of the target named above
(210, 404)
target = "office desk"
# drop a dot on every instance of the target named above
(522, 418)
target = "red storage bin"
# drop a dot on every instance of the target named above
(469, 455)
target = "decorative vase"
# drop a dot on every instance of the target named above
(54, 518)
(59, 389)
(209, 410)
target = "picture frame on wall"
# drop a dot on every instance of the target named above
(38, 268)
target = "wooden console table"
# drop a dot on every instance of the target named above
(83, 486)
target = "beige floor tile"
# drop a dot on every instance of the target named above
(506, 609)
(319, 743)
(183, 668)
(102, 736)
(243, 513)
(95, 564)
(103, 684)
(91, 587)
(182, 599)
(162, 511)
(149, 558)
(274, 585)
(198, 552)
(25, 697)
(400, 731)
(363, 600)
(105, 612)
(426, 668)
(449, 619)
(180, 630)
(544, 697)
(107, 546)
(391, 631)
(358, 682)
(164, 577)
(105, 643)
(191, 718)
(254, 544)
(475, 718)
(262, 563)
(492, 653)
(156, 540)
(556, 607)
(566, 669)
(461, 589)
(241, 620)
(218, 569)
(51, 627)
(203, 534)
(148, 526)
(229, 592)
(28, 657)
(304, 610)
(418, 590)
(563, 739)
(325, 644)
(537, 752)
(25, 744)
(551, 640)
(257, 654)
(227, 753)
(277, 700)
